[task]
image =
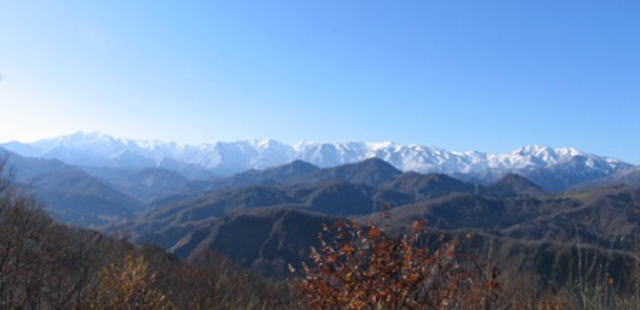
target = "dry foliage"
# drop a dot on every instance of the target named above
(129, 286)
(46, 265)
(362, 267)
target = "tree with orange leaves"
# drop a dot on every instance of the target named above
(362, 267)
(129, 286)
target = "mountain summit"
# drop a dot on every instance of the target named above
(227, 158)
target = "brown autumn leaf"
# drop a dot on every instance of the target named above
(375, 233)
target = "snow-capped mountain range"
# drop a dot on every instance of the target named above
(224, 158)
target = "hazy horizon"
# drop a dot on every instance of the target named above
(489, 76)
(85, 132)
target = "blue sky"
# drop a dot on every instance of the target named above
(485, 75)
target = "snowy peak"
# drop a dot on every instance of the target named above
(80, 139)
(225, 158)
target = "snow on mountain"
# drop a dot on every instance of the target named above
(224, 158)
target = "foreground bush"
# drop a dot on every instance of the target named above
(130, 285)
(362, 267)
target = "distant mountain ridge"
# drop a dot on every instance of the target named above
(569, 166)
(266, 228)
(69, 193)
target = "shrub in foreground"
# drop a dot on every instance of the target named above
(362, 267)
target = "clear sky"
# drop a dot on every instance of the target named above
(484, 75)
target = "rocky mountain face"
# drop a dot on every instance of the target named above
(553, 169)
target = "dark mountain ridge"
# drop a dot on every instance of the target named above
(69, 194)
(521, 229)
(268, 225)
(332, 194)
(513, 184)
(149, 184)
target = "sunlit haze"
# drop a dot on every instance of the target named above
(482, 75)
